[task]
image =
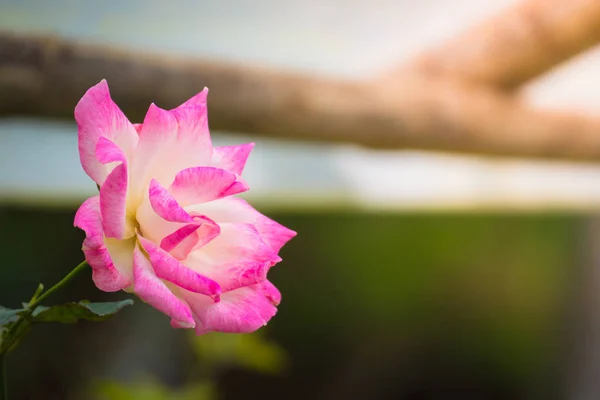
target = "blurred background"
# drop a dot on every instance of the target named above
(415, 275)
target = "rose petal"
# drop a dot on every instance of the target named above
(113, 204)
(165, 205)
(168, 268)
(232, 158)
(107, 275)
(270, 292)
(169, 142)
(192, 236)
(208, 230)
(202, 184)
(193, 125)
(237, 257)
(181, 242)
(197, 100)
(236, 210)
(243, 310)
(113, 192)
(108, 151)
(153, 291)
(159, 125)
(163, 221)
(98, 116)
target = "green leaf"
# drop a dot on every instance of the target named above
(198, 391)
(151, 389)
(8, 315)
(252, 351)
(8, 319)
(147, 389)
(72, 312)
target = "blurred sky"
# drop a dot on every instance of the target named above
(334, 37)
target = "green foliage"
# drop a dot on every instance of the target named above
(214, 352)
(72, 312)
(15, 323)
(251, 351)
(8, 315)
(147, 389)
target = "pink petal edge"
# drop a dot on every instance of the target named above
(237, 257)
(232, 158)
(237, 210)
(153, 291)
(98, 116)
(165, 205)
(113, 204)
(243, 310)
(196, 100)
(168, 268)
(203, 184)
(190, 237)
(104, 273)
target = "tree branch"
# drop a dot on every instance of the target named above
(44, 76)
(516, 45)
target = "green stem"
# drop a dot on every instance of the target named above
(20, 327)
(14, 334)
(36, 301)
(3, 387)
(38, 291)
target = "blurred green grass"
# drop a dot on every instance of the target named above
(372, 303)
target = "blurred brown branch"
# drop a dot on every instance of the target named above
(514, 46)
(46, 76)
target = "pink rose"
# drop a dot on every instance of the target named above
(166, 224)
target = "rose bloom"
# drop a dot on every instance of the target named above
(166, 224)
